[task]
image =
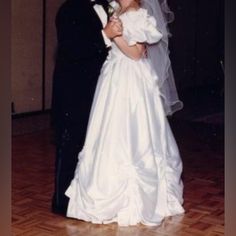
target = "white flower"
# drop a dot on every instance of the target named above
(114, 4)
(113, 7)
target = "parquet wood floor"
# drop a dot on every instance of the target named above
(202, 152)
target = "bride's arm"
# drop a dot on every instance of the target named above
(135, 52)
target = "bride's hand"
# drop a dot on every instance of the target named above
(115, 17)
(113, 28)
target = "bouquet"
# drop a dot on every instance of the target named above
(113, 8)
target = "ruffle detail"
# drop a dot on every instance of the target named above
(128, 205)
(140, 27)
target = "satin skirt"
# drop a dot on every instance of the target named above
(129, 170)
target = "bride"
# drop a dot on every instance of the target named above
(129, 170)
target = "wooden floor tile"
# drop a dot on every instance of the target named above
(32, 187)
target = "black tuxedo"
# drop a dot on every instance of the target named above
(80, 54)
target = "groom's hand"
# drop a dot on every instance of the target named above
(113, 28)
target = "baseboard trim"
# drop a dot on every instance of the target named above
(32, 113)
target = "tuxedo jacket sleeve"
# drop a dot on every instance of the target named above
(79, 31)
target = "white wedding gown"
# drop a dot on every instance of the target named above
(129, 169)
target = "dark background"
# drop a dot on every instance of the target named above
(197, 55)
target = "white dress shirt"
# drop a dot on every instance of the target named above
(103, 17)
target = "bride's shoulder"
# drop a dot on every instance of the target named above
(136, 15)
(136, 11)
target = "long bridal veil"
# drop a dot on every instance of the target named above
(159, 55)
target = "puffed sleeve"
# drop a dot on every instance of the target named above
(141, 28)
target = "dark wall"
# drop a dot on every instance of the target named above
(197, 44)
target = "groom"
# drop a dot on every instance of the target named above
(84, 35)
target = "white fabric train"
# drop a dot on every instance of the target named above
(129, 170)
